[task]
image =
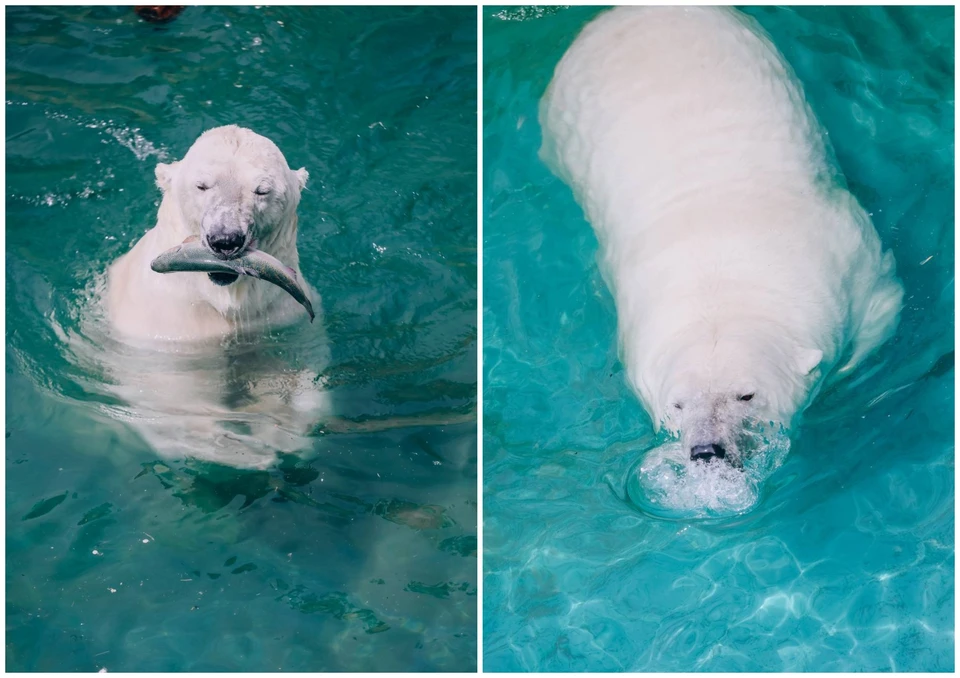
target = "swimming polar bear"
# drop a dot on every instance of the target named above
(231, 189)
(744, 272)
(188, 358)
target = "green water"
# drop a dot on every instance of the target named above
(358, 552)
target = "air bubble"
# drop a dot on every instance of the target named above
(667, 484)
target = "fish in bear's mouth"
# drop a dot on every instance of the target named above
(192, 256)
(224, 278)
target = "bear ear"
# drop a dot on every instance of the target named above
(808, 359)
(302, 176)
(164, 173)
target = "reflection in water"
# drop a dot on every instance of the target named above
(238, 401)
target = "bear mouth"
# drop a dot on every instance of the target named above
(223, 279)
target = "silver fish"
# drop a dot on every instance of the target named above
(192, 256)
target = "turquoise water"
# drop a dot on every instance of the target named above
(847, 563)
(356, 552)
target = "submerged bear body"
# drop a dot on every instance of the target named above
(744, 272)
(191, 364)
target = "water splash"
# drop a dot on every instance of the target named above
(667, 484)
(128, 137)
(527, 13)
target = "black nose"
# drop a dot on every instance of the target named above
(707, 452)
(225, 242)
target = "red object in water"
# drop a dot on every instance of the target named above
(159, 14)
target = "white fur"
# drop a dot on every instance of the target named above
(738, 260)
(186, 386)
(234, 162)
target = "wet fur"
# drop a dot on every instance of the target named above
(143, 304)
(738, 260)
(186, 361)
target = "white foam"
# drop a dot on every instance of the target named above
(669, 484)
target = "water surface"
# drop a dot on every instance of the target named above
(847, 561)
(357, 552)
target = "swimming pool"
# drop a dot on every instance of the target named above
(360, 552)
(847, 563)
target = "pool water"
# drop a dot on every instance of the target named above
(846, 563)
(356, 550)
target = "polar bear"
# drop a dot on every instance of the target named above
(232, 189)
(184, 352)
(744, 273)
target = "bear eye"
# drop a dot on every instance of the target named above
(262, 190)
(678, 406)
(202, 186)
(746, 397)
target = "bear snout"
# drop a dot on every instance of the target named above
(225, 229)
(226, 243)
(707, 452)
